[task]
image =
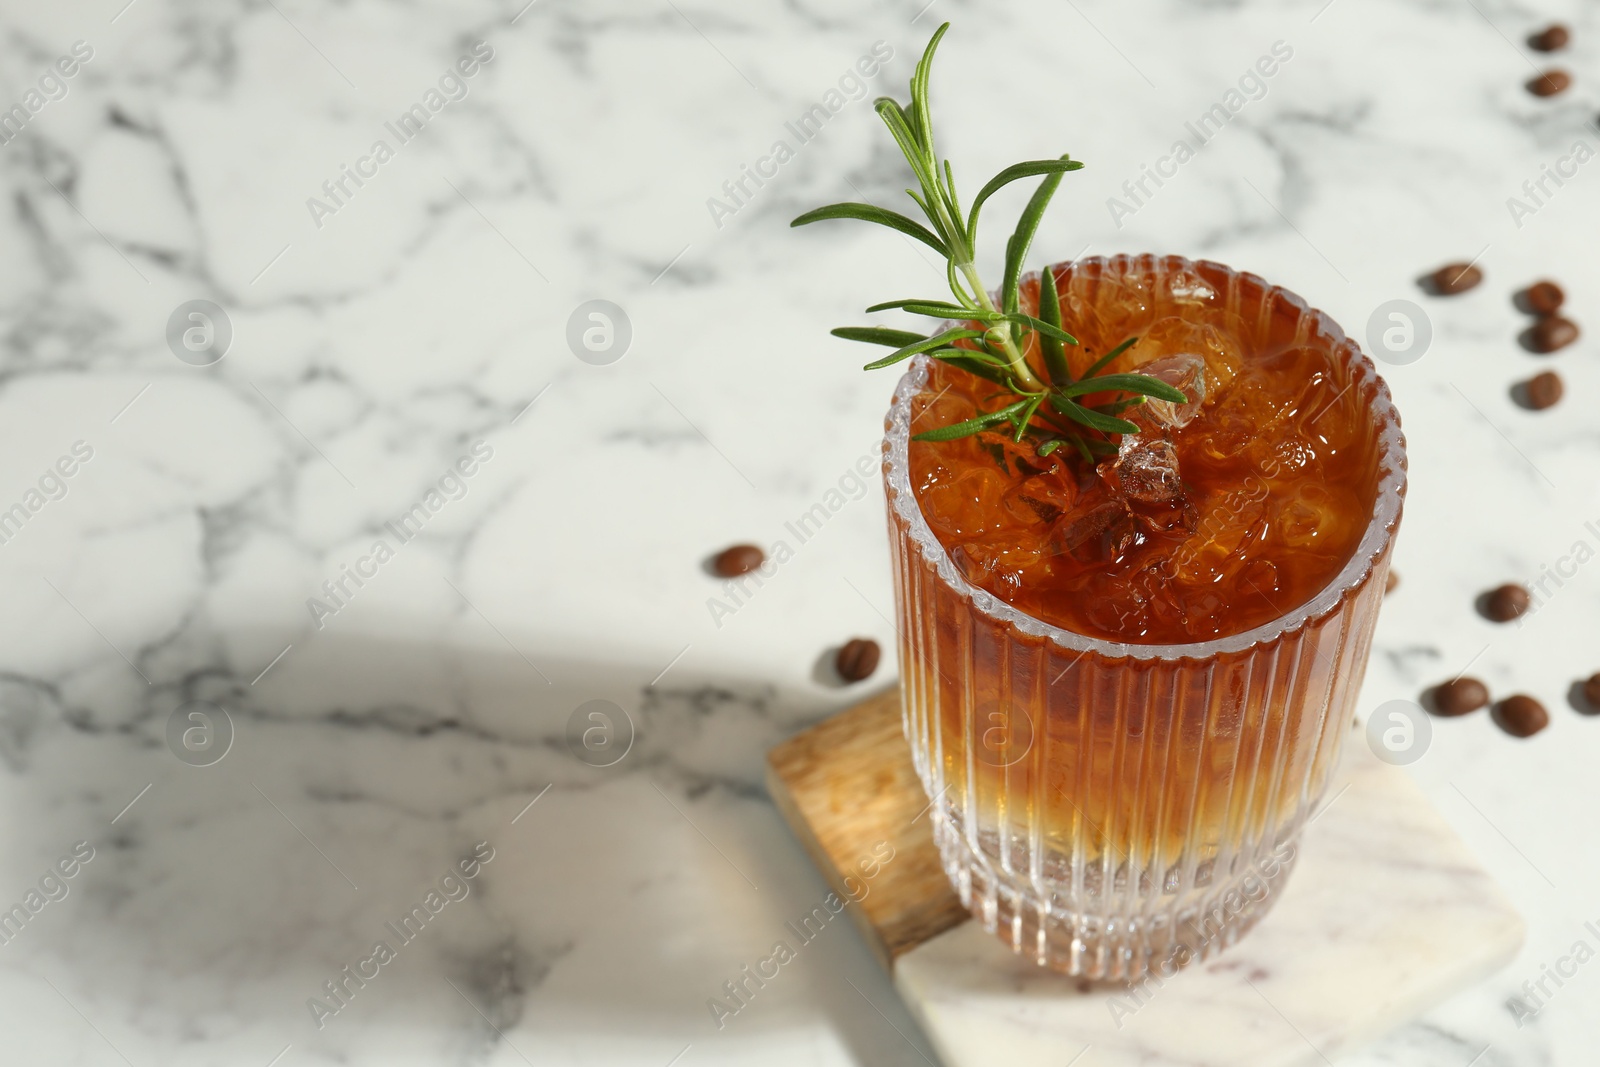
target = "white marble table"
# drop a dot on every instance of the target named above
(376, 742)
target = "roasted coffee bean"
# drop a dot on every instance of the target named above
(1460, 696)
(740, 559)
(1551, 333)
(1391, 582)
(1507, 602)
(1552, 38)
(1550, 83)
(1453, 278)
(1591, 692)
(1521, 716)
(857, 659)
(1541, 298)
(1543, 390)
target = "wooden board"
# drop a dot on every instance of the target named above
(846, 786)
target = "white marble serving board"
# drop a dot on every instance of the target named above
(1386, 914)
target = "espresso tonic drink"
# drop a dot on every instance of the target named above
(1128, 670)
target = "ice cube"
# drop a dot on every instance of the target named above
(1309, 514)
(996, 564)
(1145, 474)
(1044, 498)
(1146, 469)
(1276, 402)
(1021, 457)
(967, 503)
(1187, 287)
(1224, 524)
(1158, 582)
(1174, 336)
(1104, 311)
(1185, 373)
(1099, 534)
(1124, 611)
(1260, 576)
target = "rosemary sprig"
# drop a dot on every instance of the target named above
(987, 340)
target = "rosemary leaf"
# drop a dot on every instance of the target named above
(940, 309)
(1121, 405)
(919, 89)
(1090, 418)
(972, 425)
(1055, 356)
(1016, 172)
(966, 361)
(1105, 360)
(882, 216)
(1027, 226)
(923, 345)
(1025, 416)
(988, 359)
(878, 335)
(1053, 331)
(1142, 384)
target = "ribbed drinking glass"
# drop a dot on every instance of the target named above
(1107, 808)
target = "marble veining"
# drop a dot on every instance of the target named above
(374, 748)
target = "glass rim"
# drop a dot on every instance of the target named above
(1375, 540)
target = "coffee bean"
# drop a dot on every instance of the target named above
(1543, 390)
(1552, 38)
(1460, 696)
(1550, 83)
(1550, 333)
(1507, 602)
(1521, 716)
(1591, 691)
(857, 659)
(1391, 582)
(1540, 298)
(1453, 278)
(740, 559)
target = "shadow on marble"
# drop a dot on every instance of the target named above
(825, 673)
(225, 902)
(1578, 702)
